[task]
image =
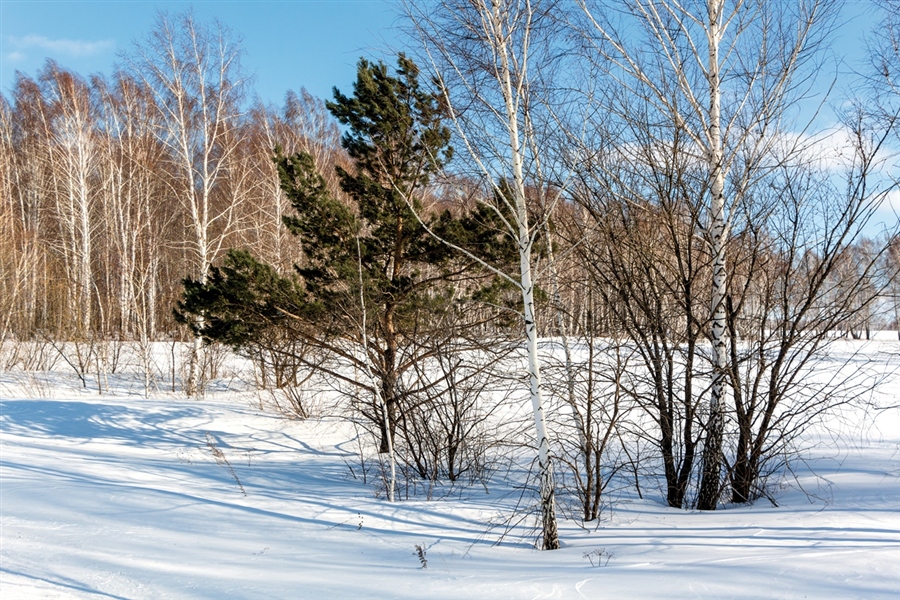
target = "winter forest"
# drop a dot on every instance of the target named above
(574, 257)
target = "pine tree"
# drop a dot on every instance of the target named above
(367, 251)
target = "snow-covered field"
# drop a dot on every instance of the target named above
(121, 496)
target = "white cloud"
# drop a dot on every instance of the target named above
(887, 217)
(15, 57)
(62, 46)
(892, 203)
(830, 149)
(834, 150)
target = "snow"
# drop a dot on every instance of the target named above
(118, 496)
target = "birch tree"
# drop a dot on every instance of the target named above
(195, 74)
(727, 72)
(484, 56)
(135, 221)
(73, 153)
(29, 180)
(130, 153)
(14, 249)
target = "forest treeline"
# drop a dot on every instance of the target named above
(654, 213)
(115, 189)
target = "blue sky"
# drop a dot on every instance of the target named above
(287, 44)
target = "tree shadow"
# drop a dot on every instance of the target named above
(99, 421)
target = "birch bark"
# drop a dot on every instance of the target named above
(500, 44)
(712, 450)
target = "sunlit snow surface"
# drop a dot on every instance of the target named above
(117, 496)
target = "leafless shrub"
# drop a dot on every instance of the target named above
(222, 461)
(283, 370)
(445, 424)
(589, 441)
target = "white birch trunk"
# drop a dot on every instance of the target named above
(85, 279)
(72, 136)
(545, 468)
(712, 452)
(495, 24)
